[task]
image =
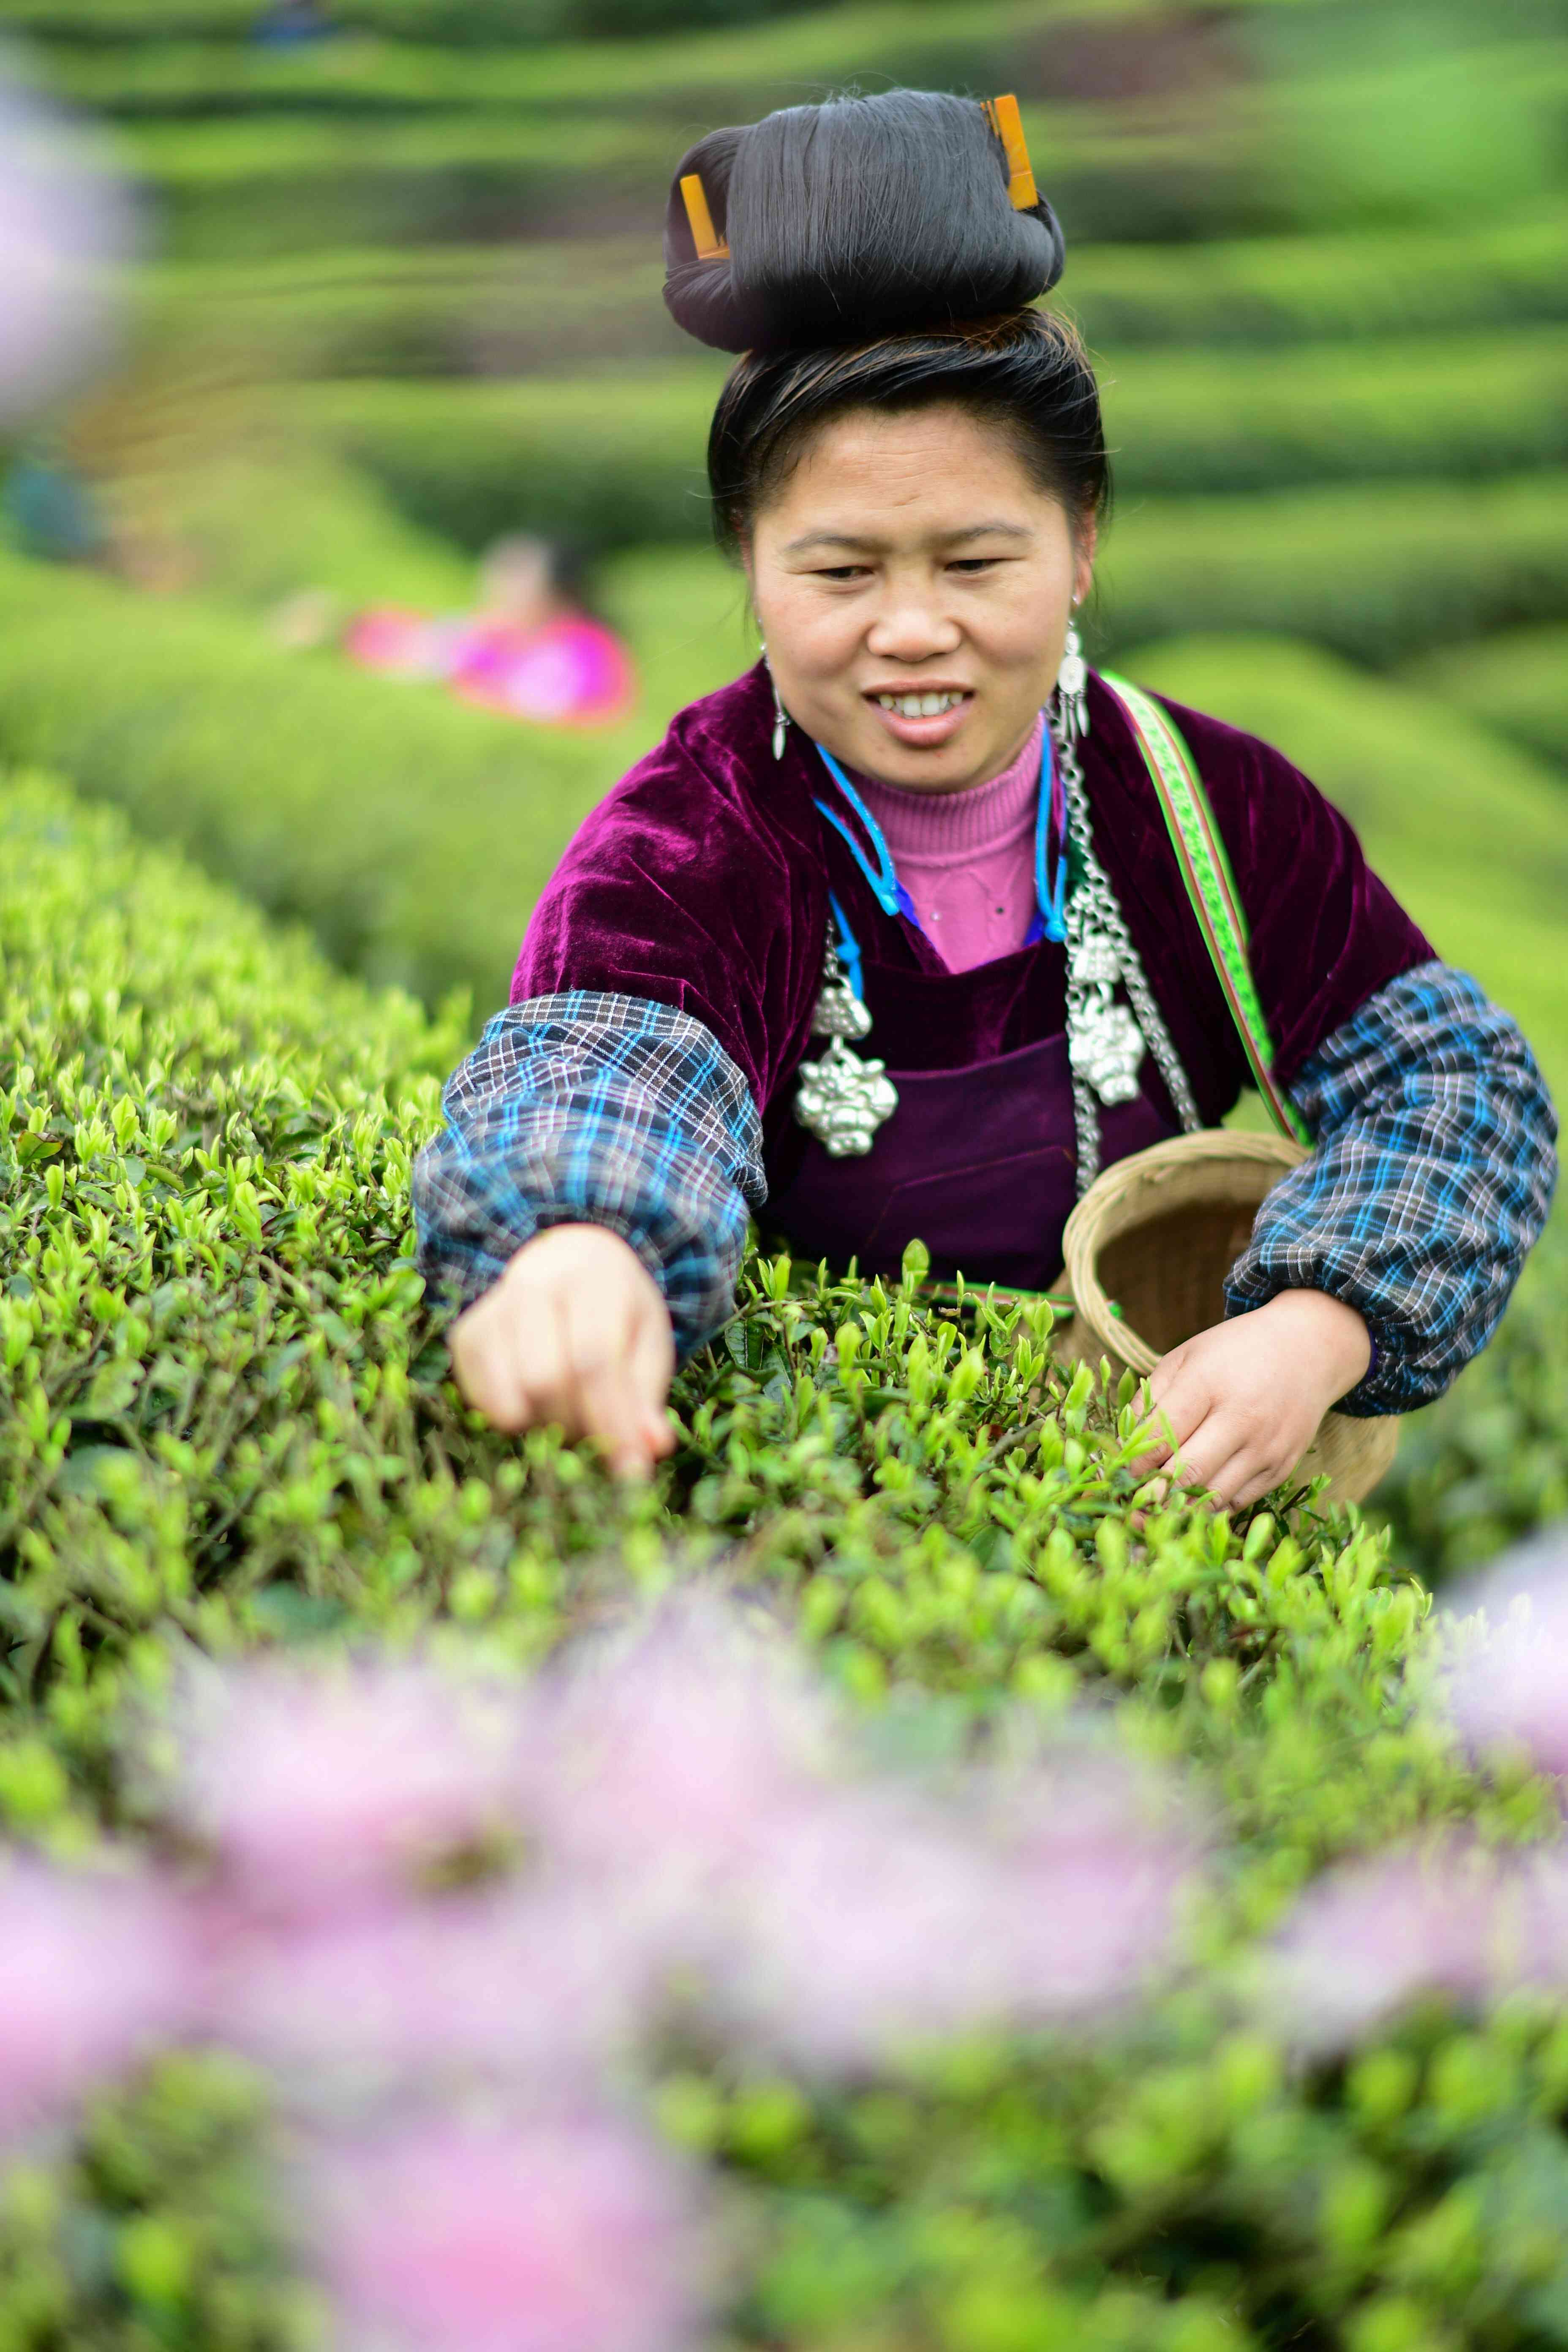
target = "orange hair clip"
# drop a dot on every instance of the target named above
(1005, 118)
(710, 246)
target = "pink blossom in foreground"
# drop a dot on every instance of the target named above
(867, 1926)
(662, 1764)
(1100, 1864)
(570, 2237)
(529, 1986)
(1368, 1938)
(1530, 1926)
(877, 1918)
(319, 1787)
(65, 223)
(1505, 1683)
(93, 1972)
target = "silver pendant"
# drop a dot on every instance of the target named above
(843, 1100)
(838, 1012)
(1106, 1047)
(1094, 959)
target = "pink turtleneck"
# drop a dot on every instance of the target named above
(966, 859)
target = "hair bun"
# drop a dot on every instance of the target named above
(852, 219)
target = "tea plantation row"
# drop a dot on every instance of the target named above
(443, 310)
(577, 455)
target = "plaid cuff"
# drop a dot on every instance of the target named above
(593, 1108)
(1430, 1183)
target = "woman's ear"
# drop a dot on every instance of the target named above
(744, 551)
(1086, 538)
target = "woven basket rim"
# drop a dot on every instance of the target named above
(1112, 1204)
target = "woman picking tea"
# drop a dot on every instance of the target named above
(919, 924)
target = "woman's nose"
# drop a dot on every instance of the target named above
(910, 629)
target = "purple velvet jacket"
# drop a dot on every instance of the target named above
(701, 882)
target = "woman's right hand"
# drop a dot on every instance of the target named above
(576, 1332)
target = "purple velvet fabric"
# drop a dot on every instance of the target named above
(701, 881)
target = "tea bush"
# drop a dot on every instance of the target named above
(225, 1409)
(1488, 1464)
(1376, 572)
(576, 454)
(411, 832)
(204, 40)
(1516, 682)
(576, 457)
(225, 1423)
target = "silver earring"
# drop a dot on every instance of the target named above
(1072, 677)
(781, 716)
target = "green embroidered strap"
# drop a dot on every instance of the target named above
(1210, 884)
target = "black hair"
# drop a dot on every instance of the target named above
(847, 220)
(876, 261)
(1028, 373)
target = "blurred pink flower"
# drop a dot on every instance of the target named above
(1097, 1885)
(566, 2237)
(1369, 1937)
(661, 1764)
(65, 223)
(537, 1988)
(879, 1918)
(93, 1972)
(865, 1927)
(323, 1787)
(1506, 1675)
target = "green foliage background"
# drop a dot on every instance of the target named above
(404, 297)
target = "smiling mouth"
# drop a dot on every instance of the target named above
(922, 706)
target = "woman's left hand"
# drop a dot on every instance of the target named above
(1240, 1404)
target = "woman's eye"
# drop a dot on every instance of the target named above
(972, 563)
(842, 571)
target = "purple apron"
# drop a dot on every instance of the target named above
(978, 1163)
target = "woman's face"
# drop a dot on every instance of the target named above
(910, 560)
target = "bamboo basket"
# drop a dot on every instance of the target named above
(1157, 1233)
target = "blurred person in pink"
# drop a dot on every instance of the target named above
(534, 650)
(531, 650)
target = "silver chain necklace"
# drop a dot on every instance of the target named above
(1106, 1042)
(843, 1099)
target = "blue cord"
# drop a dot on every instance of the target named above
(1052, 902)
(891, 893)
(848, 950)
(1050, 920)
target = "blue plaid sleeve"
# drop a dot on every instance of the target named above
(1433, 1172)
(588, 1108)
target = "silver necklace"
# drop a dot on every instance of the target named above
(843, 1098)
(1105, 1042)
